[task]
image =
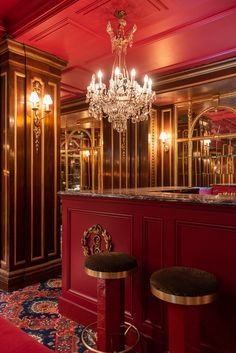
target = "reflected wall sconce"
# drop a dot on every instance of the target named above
(163, 137)
(207, 142)
(40, 110)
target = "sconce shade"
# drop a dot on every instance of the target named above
(47, 100)
(163, 136)
(34, 99)
(207, 142)
(39, 112)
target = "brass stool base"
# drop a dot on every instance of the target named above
(128, 327)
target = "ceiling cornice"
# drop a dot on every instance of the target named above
(38, 16)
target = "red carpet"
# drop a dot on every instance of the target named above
(34, 309)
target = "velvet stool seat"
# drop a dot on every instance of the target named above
(110, 269)
(185, 289)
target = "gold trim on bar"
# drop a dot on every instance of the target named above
(183, 300)
(108, 275)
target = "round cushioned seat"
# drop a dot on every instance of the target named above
(110, 265)
(184, 285)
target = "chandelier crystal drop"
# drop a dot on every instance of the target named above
(124, 98)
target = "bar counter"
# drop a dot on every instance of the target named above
(161, 227)
(170, 194)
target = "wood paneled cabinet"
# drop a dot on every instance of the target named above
(29, 222)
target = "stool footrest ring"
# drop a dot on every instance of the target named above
(127, 326)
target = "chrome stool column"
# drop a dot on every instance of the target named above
(110, 269)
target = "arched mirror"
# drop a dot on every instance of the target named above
(206, 144)
(80, 153)
(214, 147)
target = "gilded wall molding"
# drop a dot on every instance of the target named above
(33, 160)
(55, 95)
(152, 144)
(16, 76)
(6, 172)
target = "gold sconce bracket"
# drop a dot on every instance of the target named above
(166, 147)
(163, 137)
(37, 108)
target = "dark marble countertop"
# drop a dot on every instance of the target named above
(160, 194)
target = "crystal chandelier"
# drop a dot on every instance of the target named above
(124, 98)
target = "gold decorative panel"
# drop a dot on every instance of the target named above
(93, 238)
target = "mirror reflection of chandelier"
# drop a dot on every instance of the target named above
(124, 98)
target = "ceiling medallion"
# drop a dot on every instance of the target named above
(124, 98)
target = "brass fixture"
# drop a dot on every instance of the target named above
(40, 110)
(163, 137)
(124, 98)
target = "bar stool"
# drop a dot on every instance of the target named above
(110, 269)
(184, 289)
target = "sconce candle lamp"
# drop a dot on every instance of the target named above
(35, 100)
(163, 137)
(47, 101)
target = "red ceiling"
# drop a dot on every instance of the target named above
(171, 35)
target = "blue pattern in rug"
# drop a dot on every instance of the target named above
(34, 309)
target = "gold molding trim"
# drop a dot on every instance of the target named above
(6, 172)
(42, 180)
(175, 131)
(33, 80)
(54, 86)
(97, 233)
(31, 269)
(163, 152)
(32, 53)
(197, 73)
(205, 99)
(183, 300)
(108, 275)
(152, 144)
(16, 75)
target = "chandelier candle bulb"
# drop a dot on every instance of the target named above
(117, 73)
(150, 85)
(100, 78)
(133, 75)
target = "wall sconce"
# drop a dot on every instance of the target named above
(163, 137)
(36, 107)
(207, 142)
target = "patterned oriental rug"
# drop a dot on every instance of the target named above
(34, 309)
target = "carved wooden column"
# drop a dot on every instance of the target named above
(30, 236)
